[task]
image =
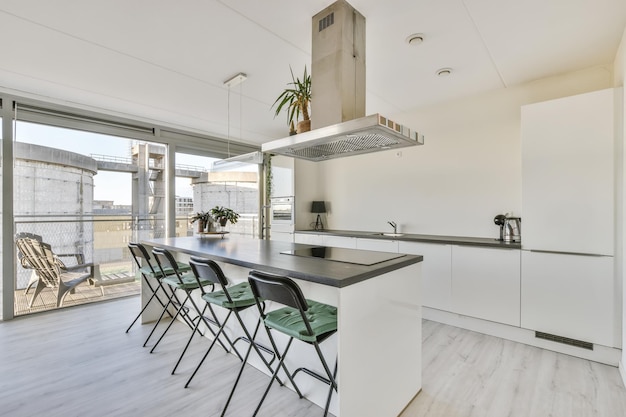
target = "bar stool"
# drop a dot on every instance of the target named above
(188, 283)
(309, 321)
(147, 271)
(235, 299)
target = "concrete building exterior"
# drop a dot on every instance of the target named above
(236, 190)
(54, 199)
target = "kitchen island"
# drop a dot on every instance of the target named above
(378, 342)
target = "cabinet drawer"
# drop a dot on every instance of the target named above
(569, 295)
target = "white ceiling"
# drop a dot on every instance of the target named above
(167, 60)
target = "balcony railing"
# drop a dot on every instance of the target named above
(103, 240)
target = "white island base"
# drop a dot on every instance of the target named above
(378, 342)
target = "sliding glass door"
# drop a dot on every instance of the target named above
(85, 194)
(86, 184)
(200, 187)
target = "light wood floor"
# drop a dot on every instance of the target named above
(79, 362)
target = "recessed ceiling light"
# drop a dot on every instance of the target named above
(444, 72)
(415, 39)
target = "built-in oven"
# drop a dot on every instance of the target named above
(282, 214)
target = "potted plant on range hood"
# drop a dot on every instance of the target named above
(296, 100)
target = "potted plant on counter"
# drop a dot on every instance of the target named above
(296, 100)
(204, 220)
(223, 215)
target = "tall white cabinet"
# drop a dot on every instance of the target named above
(568, 174)
(568, 209)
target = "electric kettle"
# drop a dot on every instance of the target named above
(510, 227)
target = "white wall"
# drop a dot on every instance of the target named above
(619, 77)
(468, 171)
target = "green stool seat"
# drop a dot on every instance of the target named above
(148, 270)
(235, 299)
(306, 320)
(240, 296)
(189, 281)
(322, 318)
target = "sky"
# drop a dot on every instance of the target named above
(113, 186)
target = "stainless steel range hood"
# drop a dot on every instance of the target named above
(340, 127)
(363, 135)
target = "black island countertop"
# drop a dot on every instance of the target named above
(265, 255)
(411, 237)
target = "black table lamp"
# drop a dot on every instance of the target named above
(318, 207)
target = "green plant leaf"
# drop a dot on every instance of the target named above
(296, 98)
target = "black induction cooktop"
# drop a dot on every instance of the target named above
(350, 256)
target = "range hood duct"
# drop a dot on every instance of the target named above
(339, 125)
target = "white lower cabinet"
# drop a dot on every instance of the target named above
(569, 295)
(309, 239)
(340, 241)
(486, 283)
(326, 240)
(381, 245)
(436, 272)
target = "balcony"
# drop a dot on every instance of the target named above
(103, 240)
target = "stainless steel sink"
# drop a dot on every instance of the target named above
(388, 234)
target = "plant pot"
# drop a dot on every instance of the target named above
(303, 126)
(223, 222)
(201, 226)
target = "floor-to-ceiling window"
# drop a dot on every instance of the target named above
(86, 194)
(201, 186)
(87, 184)
(1, 217)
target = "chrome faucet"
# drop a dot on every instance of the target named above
(395, 227)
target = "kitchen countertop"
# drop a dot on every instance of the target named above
(410, 237)
(265, 255)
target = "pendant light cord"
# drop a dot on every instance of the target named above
(228, 126)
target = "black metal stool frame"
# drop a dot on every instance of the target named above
(173, 300)
(209, 270)
(285, 291)
(161, 256)
(138, 251)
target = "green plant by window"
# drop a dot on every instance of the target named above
(203, 216)
(268, 176)
(224, 214)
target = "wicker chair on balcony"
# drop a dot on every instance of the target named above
(50, 270)
(24, 261)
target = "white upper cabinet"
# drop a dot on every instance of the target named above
(568, 174)
(282, 176)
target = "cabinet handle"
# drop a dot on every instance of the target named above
(597, 255)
